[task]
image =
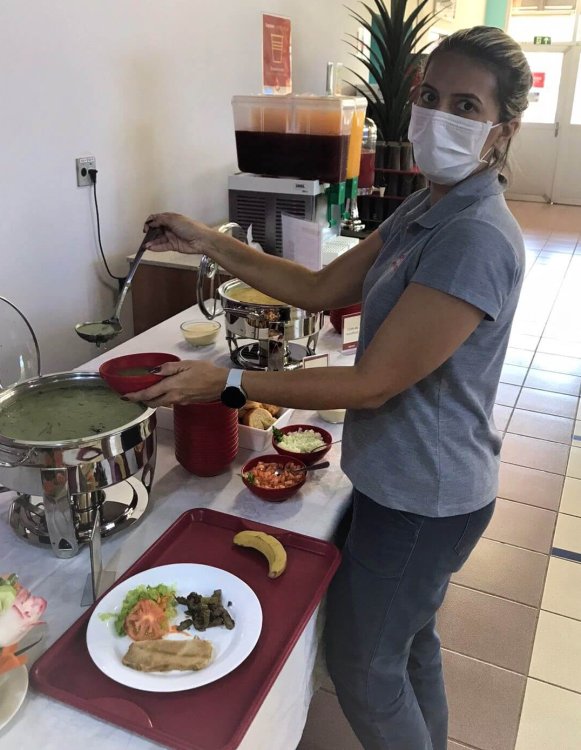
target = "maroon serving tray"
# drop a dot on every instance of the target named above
(215, 716)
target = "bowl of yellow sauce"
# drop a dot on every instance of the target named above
(200, 333)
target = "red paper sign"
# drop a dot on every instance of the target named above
(276, 55)
(539, 80)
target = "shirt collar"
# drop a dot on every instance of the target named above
(482, 185)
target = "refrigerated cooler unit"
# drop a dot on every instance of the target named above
(262, 201)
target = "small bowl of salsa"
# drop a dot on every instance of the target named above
(274, 477)
(133, 371)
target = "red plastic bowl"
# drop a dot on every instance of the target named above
(112, 371)
(274, 496)
(307, 458)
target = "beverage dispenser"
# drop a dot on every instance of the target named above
(367, 163)
(305, 137)
(295, 153)
(355, 146)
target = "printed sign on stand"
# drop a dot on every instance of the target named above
(276, 55)
(316, 360)
(351, 326)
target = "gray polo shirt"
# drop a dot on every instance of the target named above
(434, 449)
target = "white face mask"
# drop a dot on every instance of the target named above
(447, 147)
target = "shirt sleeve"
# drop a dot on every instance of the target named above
(472, 260)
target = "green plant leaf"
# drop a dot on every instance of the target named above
(379, 40)
(392, 59)
(358, 43)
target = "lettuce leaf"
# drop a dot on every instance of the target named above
(155, 593)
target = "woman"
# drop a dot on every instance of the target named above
(440, 282)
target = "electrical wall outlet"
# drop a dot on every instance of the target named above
(84, 163)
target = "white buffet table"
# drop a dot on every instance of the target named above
(316, 510)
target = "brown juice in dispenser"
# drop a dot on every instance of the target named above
(302, 155)
(367, 169)
(305, 137)
(368, 156)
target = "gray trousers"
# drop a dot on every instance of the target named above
(383, 652)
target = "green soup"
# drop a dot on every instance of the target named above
(97, 329)
(66, 412)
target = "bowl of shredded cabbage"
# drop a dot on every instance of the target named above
(302, 441)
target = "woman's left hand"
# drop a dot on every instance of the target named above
(183, 382)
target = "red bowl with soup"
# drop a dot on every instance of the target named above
(131, 372)
(258, 475)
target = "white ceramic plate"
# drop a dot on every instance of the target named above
(13, 688)
(231, 647)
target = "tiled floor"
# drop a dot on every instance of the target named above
(511, 622)
(529, 563)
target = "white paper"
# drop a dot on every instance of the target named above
(316, 360)
(302, 242)
(351, 325)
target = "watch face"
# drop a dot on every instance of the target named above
(233, 397)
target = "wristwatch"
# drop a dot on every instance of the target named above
(233, 394)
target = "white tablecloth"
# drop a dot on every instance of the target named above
(47, 724)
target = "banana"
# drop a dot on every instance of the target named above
(270, 547)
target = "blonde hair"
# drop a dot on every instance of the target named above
(505, 59)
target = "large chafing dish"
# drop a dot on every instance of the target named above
(64, 484)
(280, 335)
(275, 329)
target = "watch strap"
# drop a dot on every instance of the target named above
(234, 380)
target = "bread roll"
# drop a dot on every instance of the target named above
(251, 405)
(274, 410)
(260, 419)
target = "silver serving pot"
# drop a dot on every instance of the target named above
(273, 327)
(66, 473)
(260, 321)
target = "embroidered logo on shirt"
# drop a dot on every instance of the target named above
(397, 263)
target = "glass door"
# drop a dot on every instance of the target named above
(567, 182)
(536, 148)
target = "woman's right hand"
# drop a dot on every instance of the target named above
(180, 234)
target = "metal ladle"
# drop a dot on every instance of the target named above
(102, 331)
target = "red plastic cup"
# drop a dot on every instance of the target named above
(206, 437)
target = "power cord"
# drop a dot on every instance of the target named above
(119, 279)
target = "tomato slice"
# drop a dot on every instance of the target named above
(147, 621)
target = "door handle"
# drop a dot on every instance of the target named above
(557, 129)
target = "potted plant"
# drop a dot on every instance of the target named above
(397, 49)
(393, 58)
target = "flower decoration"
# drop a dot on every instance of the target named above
(19, 613)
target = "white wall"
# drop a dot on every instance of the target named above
(468, 13)
(145, 86)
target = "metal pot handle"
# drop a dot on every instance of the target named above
(31, 331)
(209, 269)
(19, 456)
